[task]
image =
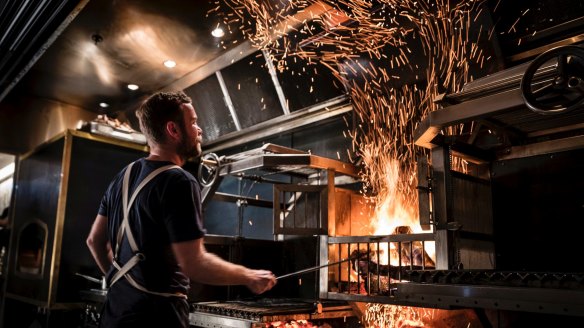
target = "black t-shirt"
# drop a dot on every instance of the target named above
(166, 210)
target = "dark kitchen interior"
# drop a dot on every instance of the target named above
(395, 163)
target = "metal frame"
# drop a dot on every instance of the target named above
(284, 207)
(275, 159)
(373, 294)
(305, 165)
(407, 291)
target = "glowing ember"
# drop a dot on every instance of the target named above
(385, 316)
(378, 315)
(291, 324)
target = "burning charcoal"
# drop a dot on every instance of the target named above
(363, 264)
(412, 252)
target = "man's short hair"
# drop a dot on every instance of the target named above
(157, 110)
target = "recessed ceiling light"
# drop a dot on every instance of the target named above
(133, 87)
(103, 105)
(218, 32)
(169, 63)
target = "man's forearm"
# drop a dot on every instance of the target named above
(103, 258)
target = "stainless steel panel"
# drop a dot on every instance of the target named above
(539, 300)
(216, 321)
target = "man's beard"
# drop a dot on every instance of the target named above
(188, 148)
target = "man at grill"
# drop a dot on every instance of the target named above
(148, 235)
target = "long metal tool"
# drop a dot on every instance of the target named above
(311, 269)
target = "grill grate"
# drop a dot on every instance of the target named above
(499, 278)
(259, 313)
(257, 310)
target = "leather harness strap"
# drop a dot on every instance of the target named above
(123, 271)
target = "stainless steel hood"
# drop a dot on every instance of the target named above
(63, 62)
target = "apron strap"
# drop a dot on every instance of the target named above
(123, 271)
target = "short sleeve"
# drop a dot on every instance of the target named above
(182, 213)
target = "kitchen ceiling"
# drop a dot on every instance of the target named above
(107, 45)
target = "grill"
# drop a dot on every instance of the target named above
(263, 312)
(412, 285)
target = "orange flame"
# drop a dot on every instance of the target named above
(392, 212)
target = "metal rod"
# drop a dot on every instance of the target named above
(209, 162)
(90, 278)
(311, 269)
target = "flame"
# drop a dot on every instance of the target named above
(393, 211)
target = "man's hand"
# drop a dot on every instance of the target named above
(260, 281)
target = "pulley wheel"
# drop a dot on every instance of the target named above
(208, 169)
(565, 91)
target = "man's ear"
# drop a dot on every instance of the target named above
(172, 130)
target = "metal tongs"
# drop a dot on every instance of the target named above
(101, 281)
(315, 268)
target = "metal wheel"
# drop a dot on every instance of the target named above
(208, 169)
(565, 91)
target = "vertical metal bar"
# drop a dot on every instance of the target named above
(442, 206)
(60, 218)
(423, 255)
(228, 101)
(240, 207)
(317, 274)
(388, 261)
(378, 269)
(411, 255)
(399, 259)
(306, 198)
(278, 215)
(276, 82)
(358, 271)
(339, 285)
(368, 287)
(424, 193)
(324, 274)
(295, 202)
(331, 214)
(349, 269)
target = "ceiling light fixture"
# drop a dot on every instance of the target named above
(103, 105)
(96, 38)
(218, 32)
(133, 87)
(169, 63)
